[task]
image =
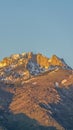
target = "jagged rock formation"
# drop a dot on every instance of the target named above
(39, 59)
(36, 92)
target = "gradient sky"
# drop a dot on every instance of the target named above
(44, 26)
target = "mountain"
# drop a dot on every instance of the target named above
(36, 92)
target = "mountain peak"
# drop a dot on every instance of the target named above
(41, 60)
(56, 61)
(36, 92)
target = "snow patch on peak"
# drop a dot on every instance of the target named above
(34, 68)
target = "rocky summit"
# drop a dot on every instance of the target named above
(36, 93)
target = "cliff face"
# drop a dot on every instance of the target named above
(46, 62)
(40, 59)
(56, 61)
(36, 92)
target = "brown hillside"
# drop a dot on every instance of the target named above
(41, 102)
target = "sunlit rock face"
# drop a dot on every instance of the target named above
(41, 60)
(56, 61)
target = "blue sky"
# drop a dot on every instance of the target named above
(44, 26)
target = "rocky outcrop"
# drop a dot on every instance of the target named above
(47, 62)
(39, 59)
(42, 60)
(55, 61)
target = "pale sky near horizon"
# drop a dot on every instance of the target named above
(44, 26)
